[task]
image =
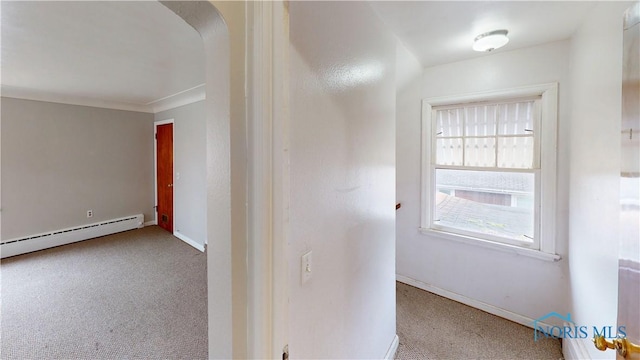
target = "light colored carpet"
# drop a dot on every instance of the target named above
(141, 294)
(432, 327)
(138, 294)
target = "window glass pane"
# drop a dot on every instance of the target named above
(480, 152)
(485, 202)
(515, 152)
(449, 151)
(480, 120)
(449, 123)
(515, 118)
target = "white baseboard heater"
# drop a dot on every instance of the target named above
(51, 239)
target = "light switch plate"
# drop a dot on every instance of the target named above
(306, 266)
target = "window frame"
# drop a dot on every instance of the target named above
(544, 246)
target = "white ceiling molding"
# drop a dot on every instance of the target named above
(37, 95)
(182, 98)
(186, 97)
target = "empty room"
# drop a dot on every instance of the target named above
(104, 131)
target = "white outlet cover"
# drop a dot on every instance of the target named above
(306, 267)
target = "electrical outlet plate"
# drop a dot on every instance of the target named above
(89, 213)
(305, 267)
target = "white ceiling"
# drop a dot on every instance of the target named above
(138, 55)
(439, 32)
(133, 55)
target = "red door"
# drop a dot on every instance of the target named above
(164, 166)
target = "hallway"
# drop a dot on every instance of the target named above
(434, 327)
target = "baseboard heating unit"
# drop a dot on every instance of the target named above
(51, 239)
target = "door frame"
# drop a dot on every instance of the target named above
(259, 59)
(155, 172)
(268, 150)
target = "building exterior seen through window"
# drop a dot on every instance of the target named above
(485, 164)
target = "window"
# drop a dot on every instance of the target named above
(489, 167)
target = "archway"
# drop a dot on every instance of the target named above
(221, 27)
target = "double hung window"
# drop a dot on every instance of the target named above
(487, 159)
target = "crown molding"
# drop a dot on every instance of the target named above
(38, 95)
(182, 98)
(189, 96)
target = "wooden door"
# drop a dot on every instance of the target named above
(164, 166)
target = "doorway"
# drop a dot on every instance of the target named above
(255, 59)
(221, 26)
(164, 174)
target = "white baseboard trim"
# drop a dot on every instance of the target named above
(574, 349)
(391, 353)
(151, 223)
(189, 241)
(491, 309)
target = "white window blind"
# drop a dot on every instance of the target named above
(485, 166)
(487, 136)
(488, 169)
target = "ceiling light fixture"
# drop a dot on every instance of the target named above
(491, 40)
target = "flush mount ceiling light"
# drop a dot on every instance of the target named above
(491, 40)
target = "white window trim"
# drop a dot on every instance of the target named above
(547, 172)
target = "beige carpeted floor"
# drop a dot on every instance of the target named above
(432, 327)
(138, 294)
(142, 295)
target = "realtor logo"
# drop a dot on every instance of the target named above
(538, 326)
(572, 331)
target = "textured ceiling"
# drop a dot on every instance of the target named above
(439, 32)
(138, 53)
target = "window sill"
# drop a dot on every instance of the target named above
(537, 254)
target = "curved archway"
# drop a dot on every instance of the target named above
(221, 27)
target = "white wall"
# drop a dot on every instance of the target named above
(596, 73)
(408, 81)
(59, 160)
(520, 287)
(342, 162)
(190, 170)
(408, 115)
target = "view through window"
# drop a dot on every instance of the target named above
(485, 166)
